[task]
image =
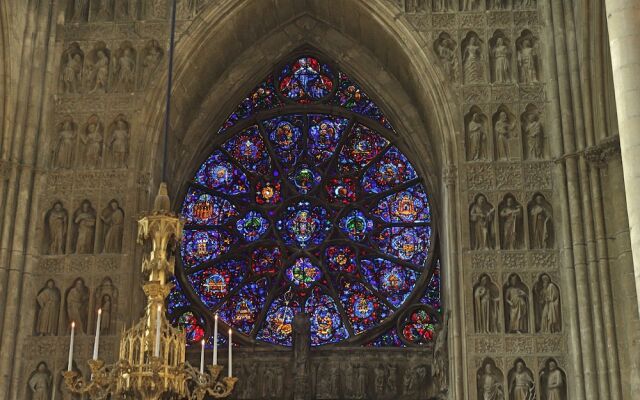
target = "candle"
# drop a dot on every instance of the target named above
(215, 341)
(156, 351)
(96, 344)
(202, 358)
(73, 331)
(230, 345)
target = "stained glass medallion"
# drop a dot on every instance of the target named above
(306, 209)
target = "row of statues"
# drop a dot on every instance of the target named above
(521, 384)
(126, 10)
(92, 147)
(102, 70)
(545, 303)
(82, 229)
(415, 6)
(76, 305)
(511, 220)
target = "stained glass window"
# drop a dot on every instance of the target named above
(308, 204)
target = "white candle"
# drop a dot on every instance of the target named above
(156, 351)
(96, 344)
(73, 331)
(202, 358)
(215, 341)
(230, 359)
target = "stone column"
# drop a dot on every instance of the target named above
(623, 17)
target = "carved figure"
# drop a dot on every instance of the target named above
(85, 222)
(472, 60)
(105, 10)
(500, 4)
(553, 382)
(516, 301)
(327, 382)
(503, 128)
(501, 62)
(547, 296)
(445, 48)
(113, 218)
(184, 9)
(301, 350)
(48, 300)
(379, 378)
(413, 379)
(477, 138)
(540, 225)
(490, 383)
(99, 72)
(122, 9)
(442, 5)
(106, 298)
(511, 217)
(119, 143)
(486, 304)
(412, 6)
(521, 383)
(527, 3)
(535, 137)
(471, 5)
(77, 301)
(481, 217)
(79, 11)
(63, 156)
(440, 371)
(40, 382)
(391, 380)
(153, 55)
(56, 221)
(92, 142)
(126, 70)
(527, 62)
(158, 8)
(72, 62)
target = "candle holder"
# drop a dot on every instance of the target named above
(209, 384)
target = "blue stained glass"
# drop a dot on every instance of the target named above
(266, 260)
(204, 209)
(304, 224)
(326, 323)
(203, 246)
(325, 132)
(214, 283)
(284, 134)
(305, 178)
(388, 339)
(362, 147)
(409, 244)
(248, 148)
(392, 280)
(363, 307)
(356, 225)
(351, 97)
(391, 170)
(431, 294)
(419, 327)
(263, 97)
(341, 190)
(218, 173)
(278, 326)
(341, 259)
(305, 80)
(176, 298)
(241, 310)
(252, 226)
(192, 327)
(303, 273)
(409, 205)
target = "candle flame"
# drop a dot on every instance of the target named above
(73, 324)
(99, 311)
(159, 308)
(216, 316)
(229, 332)
(202, 342)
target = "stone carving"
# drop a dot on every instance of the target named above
(392, 387)
(48, 311)
(504, 124)
(490, 378)
(301, 349)
(125, 68)
(78, 10)
(71, 70)
(528, 68)
(440, 370)
(532, 131)
(152, 55)
(355, 379)
(481, 219)
(272, 382)
(540, 223)
(471, 5)
(445, 48)
(547, 305)
(500, 4)
(516, 305)
(442, 5)
(113, 218)
(56, 221)
(122, 9)
(106, 298)
(84, 224)
(511, 226)
(553, 382)
(414, 378)
(118, 144)
(472, 67)
(413, 6)
(500, 58)
(103, 10)
(522, 386)
(77, 301)
(486, 301)
(157, 9)
(527, 3)
(40, 382)
(91, 142)
(327, 381)
(98, 66)
(65, 148)
(185, 9)
(476, 124)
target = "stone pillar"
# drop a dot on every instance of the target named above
(623, 17)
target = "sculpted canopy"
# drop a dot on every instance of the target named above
(308, 205)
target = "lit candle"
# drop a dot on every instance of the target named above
(73, 331)
(215, 341)
(156, 351)
(202, 358)
(230, 359)
(96, 344)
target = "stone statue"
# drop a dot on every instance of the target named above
(79, 7)
(359, 383)
(122, 9)
(91, 142)
(98, 79)
(63, 156)
(77, 302)
(521, 383)
(553, 382)
(548, 314)
(534, 135)
(440, 371)
(445, 48)
(477, 138)
(105, 10)
(442, 5)
(472, 60)
(185, 9)
(391, 380)
(158, 9)
(119, 143)
(247, 386)
(490, 383)
(510, 223)
(301, 350)
(379, 378)
(471, 5)
(56, 221)
(412, 6)
(527, 3)
(152, 57)
(540, 223)
(481, 218)
(500, 4)
(413, 379)
(126, 69)
(516, 300)
(503, 128)
(527, 62)
(486, 305)
(106, 297)
(327, 382)
(272, 384)
(501, 62)
(71, 75)
(84, 220)
(113, 219)
(40, 382)
(48, 300)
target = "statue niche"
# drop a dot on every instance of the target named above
(443, 5)
(500, 60)
(151, 57)
(102, 10)
(527, 3)
(48, 309)
(414, 6)
(91, 141)
(63, 154)
(445, 48)
(84, 228)
(125, 68)
(553, 382)
(185, 9)
(122, 9)
(97, 69)
(522, 386)
(500, 4)
(533, 133)
(76, 305)
(56, 220)
(490, 381)
(157, 9)
(77, 10)
(472, 62)
(71, 65)
(118, 142)
(504, 128)
(528, 62)
(486, 301)
(516, 305)
(511, 223)
(327, 381)
(547, 305)
(112, 218)
(106, 299)
(481, 214)
(478, 147)
(40, 382)
(541, 231)
(472, 5)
